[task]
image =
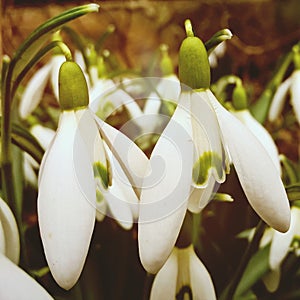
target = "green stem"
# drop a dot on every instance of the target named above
(64, 49)
(229, 292)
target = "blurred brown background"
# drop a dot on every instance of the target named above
(263, 29)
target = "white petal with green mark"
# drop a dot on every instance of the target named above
(66, 202)
(257, 173)
(120, 197)
(165, 190)
(132, 159)
(209, 154)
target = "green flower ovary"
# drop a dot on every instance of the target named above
(73, 90)
(204, 163)
(100, 171)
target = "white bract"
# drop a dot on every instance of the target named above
(183, 274)
(292, 85)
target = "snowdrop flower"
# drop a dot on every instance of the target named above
(183, 274)
(265, 192)
(292, 85)
(14, 282)
(17, 284)
(191, 157)
(44, 135)
(73, 168)
(9, 234)
(165, 190)
(66, 188)
(35, 88)
(281, 244)
(243, 114)
(216, 54)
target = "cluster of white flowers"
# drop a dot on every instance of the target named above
(91, 169)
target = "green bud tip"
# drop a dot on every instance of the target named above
(239, 97)
(166, 64)
(296, 57)
(73, 90)
(194, 69)
(91, 55)
(102, 71)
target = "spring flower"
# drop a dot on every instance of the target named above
(292, 85)
(44, 136)
(14, 282)
(265, 192)
(17, 284)
(9, 234)
(207, 137)
(66, 196)
(244, 115)
(165, 190)
(216, 54)
(281, 244)
(35, 88)
(74, 167)
(183, 275)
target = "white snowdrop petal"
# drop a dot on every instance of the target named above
(201, 282)
(164, 284)
(131, 158)
(66, 203)
(257, 173)
(11, 232)
(17, 284)
(262, 135)
(282, 241)
(279, 99)
(43, 134)
(34, 90)
(295, 93)
(165, 191)
(28, 165)
(2, 239)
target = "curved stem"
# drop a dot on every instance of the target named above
(228, 293)
(64, 49)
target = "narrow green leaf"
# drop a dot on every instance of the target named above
(256, 268)
(26, 142)
(39, 36)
